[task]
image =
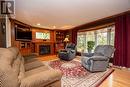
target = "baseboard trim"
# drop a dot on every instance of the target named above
(120, 67)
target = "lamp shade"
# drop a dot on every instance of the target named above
(66, 40)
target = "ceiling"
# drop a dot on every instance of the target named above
(65, 14)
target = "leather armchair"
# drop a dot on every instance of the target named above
(68, 53)
(99, 60)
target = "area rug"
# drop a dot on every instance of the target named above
(69, 69)
(74, 75)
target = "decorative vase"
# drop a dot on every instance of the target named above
(89, 51)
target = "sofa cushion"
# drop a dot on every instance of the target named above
(7, 56)
(18, 63)
(22, 70)
(36, 70)
(33, 65)
(41, 79)
(8, 75)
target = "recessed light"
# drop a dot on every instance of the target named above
(54, 27)
(67, 27)
(38, 24)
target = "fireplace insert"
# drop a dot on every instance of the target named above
(44, 49)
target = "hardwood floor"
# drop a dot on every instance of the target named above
(119, 78)
(47, 58)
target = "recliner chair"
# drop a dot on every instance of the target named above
(99, 60)
(68, 53)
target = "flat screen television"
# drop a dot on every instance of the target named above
(23, 34)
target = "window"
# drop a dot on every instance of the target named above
(90, 36)
(102, 36)
(112, 33)
(42, 35)
(80, 39)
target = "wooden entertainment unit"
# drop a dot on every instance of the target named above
(27, 47)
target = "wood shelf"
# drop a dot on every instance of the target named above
(59, 44)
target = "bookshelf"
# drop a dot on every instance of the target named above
(59, 44)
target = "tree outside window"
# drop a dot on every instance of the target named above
(81, 42)
(102, 37)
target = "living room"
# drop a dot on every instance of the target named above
(63, 43)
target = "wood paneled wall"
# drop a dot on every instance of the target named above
(34, 30)
(38, 42)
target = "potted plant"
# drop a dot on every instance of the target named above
(90, 45)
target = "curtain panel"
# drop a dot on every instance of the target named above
(74, 36)
(122, 41)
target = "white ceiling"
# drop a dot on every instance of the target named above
(63, 14)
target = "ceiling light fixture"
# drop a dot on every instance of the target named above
(66, 26)
(54, 27)
(38, 24)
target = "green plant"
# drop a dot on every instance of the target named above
(90, 45)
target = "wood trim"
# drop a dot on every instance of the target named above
(47, 29)
(41, 28)
(19, 22)
(24, 24)
(97, 27)
(99, 22)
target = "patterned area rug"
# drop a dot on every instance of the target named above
(74, 75)
(69, 69)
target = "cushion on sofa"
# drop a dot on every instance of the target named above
(18, 63)
(9, 75)
(41, 79)
(36, 70)
(33, 65)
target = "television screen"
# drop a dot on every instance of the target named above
(21, 34)
(42, 35)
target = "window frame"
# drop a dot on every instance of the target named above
(109, 30)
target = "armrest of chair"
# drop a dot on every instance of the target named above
(98, 58)
(87, 54)
(41, 79)
(72, 51)
(62, 50)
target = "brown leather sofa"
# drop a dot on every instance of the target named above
(14, 73)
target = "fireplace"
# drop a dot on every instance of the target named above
(44, 49)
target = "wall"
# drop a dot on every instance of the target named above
(38, 42)
(34, 30)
